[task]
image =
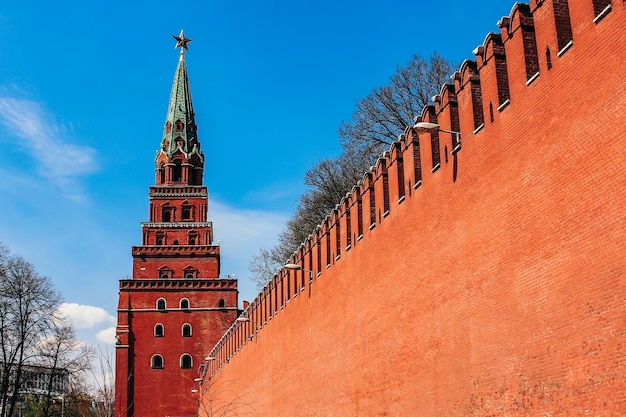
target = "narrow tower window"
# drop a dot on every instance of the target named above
(159, 331)
(186, 330)
(156, 362)
(167, 214)
(222, 303)
(177, 172)
(185, 361)
(179, 126)
(184, 304)
(160, 304)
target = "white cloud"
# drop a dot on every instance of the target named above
(106, 336)
(84, 316)
(40, 136)
(242, 234)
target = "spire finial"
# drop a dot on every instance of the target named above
(181, 42)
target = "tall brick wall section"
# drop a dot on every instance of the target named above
(496, 286)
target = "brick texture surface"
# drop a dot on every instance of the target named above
(496, 288)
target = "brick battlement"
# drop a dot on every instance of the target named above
(481, 278)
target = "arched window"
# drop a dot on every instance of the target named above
(160, 304)
(161, 174)
(177, 172)
(179, 125)
(184, 303)
(156, 362)
(222, 303)
(186, 212)
(159, 331)
(186, 361)
(165, 272)
(186, 330)
(166, 214)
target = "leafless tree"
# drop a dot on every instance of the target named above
(104, 377)
(328, 181)
(62, 354)
(28, 309)
(377, 121)
(384, 113)
(221, 400)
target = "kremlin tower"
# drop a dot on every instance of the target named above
(175, 307)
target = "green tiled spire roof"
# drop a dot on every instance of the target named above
(180, 129)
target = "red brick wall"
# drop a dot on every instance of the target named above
(496, 287)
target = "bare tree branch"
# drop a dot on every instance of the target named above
(376, 122)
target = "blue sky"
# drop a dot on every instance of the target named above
(84, 88)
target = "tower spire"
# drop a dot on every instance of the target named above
(179, 159)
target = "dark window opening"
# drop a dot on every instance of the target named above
(184, 303)
(185, 361)
(179, 126)
(167, 215)
(161, 175)
(157, 362)
(159, 331)
(222, 303)
(160, 304)
(186, 330)
(177, 172)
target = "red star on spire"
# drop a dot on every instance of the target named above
(181, 41)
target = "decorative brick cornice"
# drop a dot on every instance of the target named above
(173, 251)
(177, 225)
(178, 191)
(177, 284)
